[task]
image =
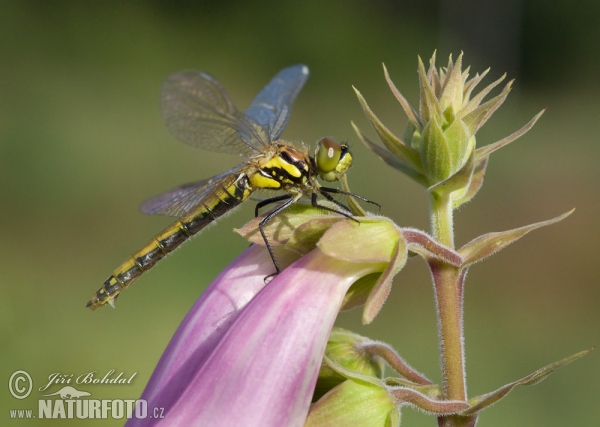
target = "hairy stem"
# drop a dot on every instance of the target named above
(448, 284)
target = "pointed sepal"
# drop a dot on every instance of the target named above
(406, 166)
(397, 147)
(490, 243)
(486, 150)
(481, 402)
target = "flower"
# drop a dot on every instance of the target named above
(248, 353)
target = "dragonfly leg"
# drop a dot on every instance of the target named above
(345, 193)
(266, 202)
(336, 202)
(261, 225)
(331, 199)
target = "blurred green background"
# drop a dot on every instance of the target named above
(82, 144)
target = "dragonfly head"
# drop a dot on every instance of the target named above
(332, 159)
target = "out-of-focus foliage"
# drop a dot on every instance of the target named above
(82, 144)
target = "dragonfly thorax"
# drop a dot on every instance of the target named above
(287, 168)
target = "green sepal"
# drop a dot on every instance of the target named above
(481, 160)
(396, 162)
(490, 243)
(477, 176)
(477, 118)
(460, 142)
(486, 150)
(452, 94)
(471, 84)
(481, 402)
(476, 100)
(408, 109)
(397, 147)
(457, 183)
(435, 153)
(429, 108)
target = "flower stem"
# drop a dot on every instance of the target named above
(448, 284)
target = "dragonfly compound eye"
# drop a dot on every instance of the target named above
(332, 158)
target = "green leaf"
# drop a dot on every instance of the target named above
(397, 147)
(482, 402)
(392, 160)
(490, 243)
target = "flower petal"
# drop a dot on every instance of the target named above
(203, 327)
(263, 371)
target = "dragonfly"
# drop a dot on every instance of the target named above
(198, 112)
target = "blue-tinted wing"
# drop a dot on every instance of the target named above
(183, 199)
(272, 106)
(198, 111)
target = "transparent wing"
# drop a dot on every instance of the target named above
(272, 106)
(198, 111)
(183, 199)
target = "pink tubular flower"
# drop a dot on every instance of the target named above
(249, 354)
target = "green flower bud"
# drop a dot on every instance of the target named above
(439, 140)
(345, 349)
(355, 403)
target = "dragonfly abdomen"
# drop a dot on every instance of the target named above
(218, 203)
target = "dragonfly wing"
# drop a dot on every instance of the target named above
(272, 107)
(181, 200)
(198, 111)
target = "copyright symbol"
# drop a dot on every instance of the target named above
(20, 384)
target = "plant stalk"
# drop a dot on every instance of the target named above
(448, 285)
